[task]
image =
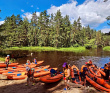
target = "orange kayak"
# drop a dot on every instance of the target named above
(13, 72)
(24, 66)
(22, 75)
(43, 72)
(32, 65)
(97, 86)
(99, 80)
(18, 76)
(94, 72)
(49, 79)
(75, 73)
(10, 65)
(39, 63)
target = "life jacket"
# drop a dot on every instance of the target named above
(82, 68)
(30, 72)
(7, 59)
(65, 73)
(35, 61)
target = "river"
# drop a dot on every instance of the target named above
(56, 59)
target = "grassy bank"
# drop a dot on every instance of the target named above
(70, 49)
(107, 48)
(2, 59)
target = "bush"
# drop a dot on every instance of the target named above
(88, 46)
(76, 45)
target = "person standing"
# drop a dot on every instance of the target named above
(67, 76)
(7, 59)
(30, 75)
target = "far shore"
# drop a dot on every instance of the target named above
(107, 48)
(37, 48)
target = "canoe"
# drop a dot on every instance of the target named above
(97, 86)
(10, 65)
(12, 72)
(43, 72)
(99, 80)
(49, 79)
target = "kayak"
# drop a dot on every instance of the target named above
(13, 72)
(18, 76)
(22, 75)
(99, 80)
(94, 72)
(97, 86)
(32, 65)
(43, 72)
(75, 74)
(10, 65)
(49, 79)
(24, 66)
(39, 63)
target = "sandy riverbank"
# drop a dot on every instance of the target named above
(18, 86)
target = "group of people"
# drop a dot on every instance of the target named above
(70, 73)
(30, 71)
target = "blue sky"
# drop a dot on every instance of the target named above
(92, 12)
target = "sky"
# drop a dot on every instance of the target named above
(91, 12)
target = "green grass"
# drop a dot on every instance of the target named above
(70, 49)
(73, 49)
(2, 59)
(107, 48)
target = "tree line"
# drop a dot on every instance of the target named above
(49, 30)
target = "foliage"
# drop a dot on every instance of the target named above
(49, 31)
(107, 48)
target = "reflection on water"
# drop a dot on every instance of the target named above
(56, 59)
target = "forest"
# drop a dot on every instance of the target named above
(52, 30)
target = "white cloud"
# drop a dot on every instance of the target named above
(32, 6)
(1, 22)
(91, 12)
(22, 10)
(28, 15)
(106, 30)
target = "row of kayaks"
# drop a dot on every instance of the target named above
(97, 82)
(18, 72)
